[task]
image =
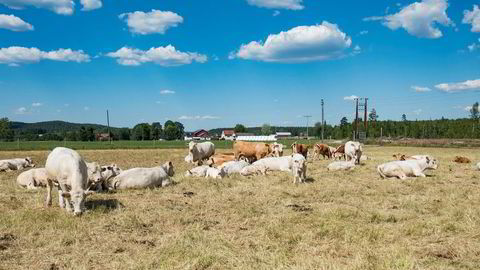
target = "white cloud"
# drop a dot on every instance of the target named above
(91, 4)
(299, 44)
(419, 19)
(281, 4)
(86, 108)
(468, 108)
(473, 18)
(364, 32)
(417, 112)
(165, 56)
(155, 21)
(21, 110)
(198, 117)
(276, 13)
(459, 87)
(421, 89)
(37, 104)
(473, 47)
(352, 97)
(14, 23)
(63, 7)
(167, 92)
(15, 56)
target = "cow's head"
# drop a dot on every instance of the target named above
(94, 172)
(298, 164)
(78, 200)
(110, 171)
(277, 149)
(29, 162)
(431, 163)
(168, 167)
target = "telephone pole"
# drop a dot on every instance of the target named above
(307, 116)
(356, 120)
(323, 122)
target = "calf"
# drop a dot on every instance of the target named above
(137, 178)
(68, 169)
(300, 149)
(322, 149)
(339, 152)
(342, 165)
(402, 169)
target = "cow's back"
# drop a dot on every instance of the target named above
(65, 165)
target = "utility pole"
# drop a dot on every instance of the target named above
(323, 122)
(356, 120)
(108, 125)
(307, 116)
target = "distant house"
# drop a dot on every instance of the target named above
(188, 136)
(228, 135)
(200, 134)
(102, 137)
(283, 135)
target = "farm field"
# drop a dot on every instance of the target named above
(337, 220)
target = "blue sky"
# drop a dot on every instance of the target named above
(217, 63)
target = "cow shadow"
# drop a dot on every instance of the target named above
(103, 205)
(309, 180)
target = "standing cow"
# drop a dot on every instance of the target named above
(250, 150)
(300, 149)
(198, 152)
(322, 149)
(353, 150)
(67, 168)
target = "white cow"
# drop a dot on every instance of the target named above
(215, 173)
(295, 163)
(107, 173)
(403, 168)
(16, 164)
(199, 171)
(299, 168)
(94, 174)
(353, 150)
(341, 165)
(144, 177)
(197, 152)
(232, 167)
(277, 149)
(67, 168)
(253, 170)
(33, 178)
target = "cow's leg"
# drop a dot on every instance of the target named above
(64, 200)
(304, 176)
(48, 201)
(419, 174)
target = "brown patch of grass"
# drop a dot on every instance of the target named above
(346, 220)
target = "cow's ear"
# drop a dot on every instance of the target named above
(428, 159)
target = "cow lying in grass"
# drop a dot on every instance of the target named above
(137, 178)
(205, 171)
(33, 178)
(342, 165)
(296, 164)
(16, 164)
(411, 168)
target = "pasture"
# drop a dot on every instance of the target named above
(337, 220)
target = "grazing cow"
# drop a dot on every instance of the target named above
(233, 167)
(293, 163)
(276, 149)
(300, 149)
(253, 170)
(16, 164)
(353, 150)
(459, 159)
(403, 168)
(342, 165)
(33, 178)
(250, 150)
(68, 169)
(219, 159)
(339, 152)
(137, 178)
(322, 149)
(198, 152)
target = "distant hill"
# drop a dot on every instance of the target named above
(55, 126)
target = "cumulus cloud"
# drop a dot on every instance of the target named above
(155, 21)
(419, 19)
(280, 4)
(459, 87)
(300, 44)
(63, 7)
(91, 4)
(420, 88)
(21, 110)
(473, 18)
(198, 117)
(37, 104)
(352, 97)
(14, 23)
(15, 56)
(165, 56)
(167, 92)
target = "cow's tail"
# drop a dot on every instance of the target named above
(380, 171)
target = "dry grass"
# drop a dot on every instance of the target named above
(350, 220)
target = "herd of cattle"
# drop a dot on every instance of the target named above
(75, 178)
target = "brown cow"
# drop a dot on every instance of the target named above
(250, 150)
(459, 159)
(321, 149)
(298, 148)
(340, 152)
(220, 158)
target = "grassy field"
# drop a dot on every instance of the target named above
(339, 220)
